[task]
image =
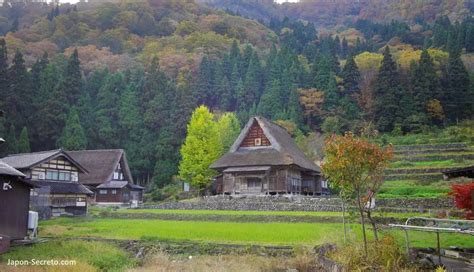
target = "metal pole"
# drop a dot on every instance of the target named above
(439, 249)
(407, 242)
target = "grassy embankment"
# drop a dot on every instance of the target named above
(88, 255)
(419, 159)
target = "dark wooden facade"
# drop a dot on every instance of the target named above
(118, 195)
(255, 137)
(14, 207)
(275, 180)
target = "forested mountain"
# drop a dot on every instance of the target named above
(129, 74)
(337, 12)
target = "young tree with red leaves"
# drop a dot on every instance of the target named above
(356, 166)
(462, 194)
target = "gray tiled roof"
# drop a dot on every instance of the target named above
(6, 169)
(26, 160)
(283, 150)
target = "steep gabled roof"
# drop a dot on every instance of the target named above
(29, 160)
(282, 151)
(6, 169)
(101, 164)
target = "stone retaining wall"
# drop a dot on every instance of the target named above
(298, 203)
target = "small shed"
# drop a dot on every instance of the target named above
(14, 202)
(466, 172)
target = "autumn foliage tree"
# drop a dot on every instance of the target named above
(462, 194)
(356, 166)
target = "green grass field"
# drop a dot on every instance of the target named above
(89, 256)
(412, 189)
(227, 232)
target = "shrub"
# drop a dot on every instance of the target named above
(462, 194)
(384, 255)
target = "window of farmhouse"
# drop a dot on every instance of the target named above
(58, 175)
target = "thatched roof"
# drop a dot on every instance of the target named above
(6, 169)
(29, 160)
(101, 165)
(282, 151)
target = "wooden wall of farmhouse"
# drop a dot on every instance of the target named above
(255, 132)
(14, 206)
(278, 180)
(60, 164)
(121, 195)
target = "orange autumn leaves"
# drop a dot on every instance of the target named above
(355, 164)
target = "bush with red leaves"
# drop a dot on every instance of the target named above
(462, 194)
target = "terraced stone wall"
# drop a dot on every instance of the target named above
(296, 203)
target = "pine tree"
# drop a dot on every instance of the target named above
(295, 110)
(344, 48)
(107, 113)
(166, 158)
(73, 136)
(271, 102)
(3, 70)
(24, 141)
(458, 98)
(11, 141)
(201, 147)
(52, 110)
(250, 93)
(72, 83)
(387, 93)
(18, 98)
(351, 76)
(425, 82)
(205, 81)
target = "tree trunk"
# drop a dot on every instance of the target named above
(362, 220)
(372, 222)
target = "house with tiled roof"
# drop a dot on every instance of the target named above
(108, 176)
(56, 177)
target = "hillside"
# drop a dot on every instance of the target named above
(416, 170)
(129, 74)
(125, 34)
(331, 13)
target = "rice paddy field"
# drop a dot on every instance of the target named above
(256, 233)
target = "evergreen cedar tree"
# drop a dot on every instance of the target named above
(462, 194)
(299, 80)
(355, 166)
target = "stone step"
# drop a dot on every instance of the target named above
(403, 171)
(428, 177)
(431, 151)
(441, 157)
(428, 146)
